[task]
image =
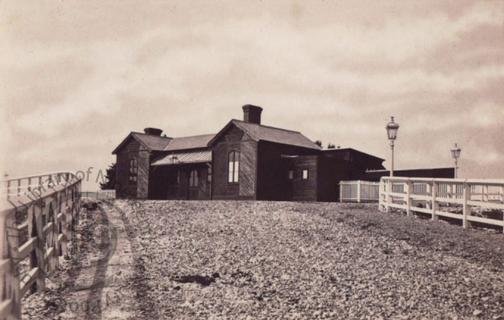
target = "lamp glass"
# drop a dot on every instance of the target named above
(392, 128)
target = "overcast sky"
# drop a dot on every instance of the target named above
(78, 76)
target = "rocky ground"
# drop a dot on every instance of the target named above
(266, 260)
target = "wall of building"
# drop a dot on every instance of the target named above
(272, 170)
(143, 159)
(234, 140)
(305, 190)
(124, 187)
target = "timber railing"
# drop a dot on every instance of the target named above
(107, 194)
(359, 191)
(467, 200)
(37, 217)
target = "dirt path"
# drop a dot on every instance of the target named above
(94, 283)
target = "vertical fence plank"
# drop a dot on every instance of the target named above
(359, 184)
(8, 188)
(36, 229)
(388, 197)
(409, 189)
(466, 210)
(434, 192)
(12, 276)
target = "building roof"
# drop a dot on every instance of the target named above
(184, 157)
(259, 132)
(151, 142)
(191, 142)
(155, 143)
(352, 150)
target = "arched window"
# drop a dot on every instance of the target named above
(234, 166)
(133, 170)
(193, 178)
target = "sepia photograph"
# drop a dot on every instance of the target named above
(287, 159)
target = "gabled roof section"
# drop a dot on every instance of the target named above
(191, 142)
(266, 133)
(150, 142)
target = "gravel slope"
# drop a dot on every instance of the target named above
(264, 260)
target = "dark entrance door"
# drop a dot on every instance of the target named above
(194, 183)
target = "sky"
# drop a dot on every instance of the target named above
(77, 76)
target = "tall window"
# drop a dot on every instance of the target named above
(193, 178)
(209, 174)
(133, 170)
(305, 174)
(291, 174)
(234, 166)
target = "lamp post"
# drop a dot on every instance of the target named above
(455, 151)
(392, 128)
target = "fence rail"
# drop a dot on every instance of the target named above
(99, 195)
(359, 191)
(480, 201)
(36, 223)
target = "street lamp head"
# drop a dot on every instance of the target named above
(392, 128)
(455, 151)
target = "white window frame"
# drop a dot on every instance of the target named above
(233, 166)
(305, 175)
(133, 170)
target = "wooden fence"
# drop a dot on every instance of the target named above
(99, 195)
(359, 191)
(480, 201)
(37, 217)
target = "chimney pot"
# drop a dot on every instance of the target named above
(153, 131)
(252, 114)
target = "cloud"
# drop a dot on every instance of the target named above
(86, 73)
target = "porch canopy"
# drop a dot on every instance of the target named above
(179, 158)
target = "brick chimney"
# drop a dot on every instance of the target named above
(153, 131)
(252, 114)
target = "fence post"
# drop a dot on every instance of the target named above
(36, 229)
(434, 191)
(388, 200)
(380, 200)
(409, 187)
(11, 278)
(466, 210)
(8, 188)
(341, 191)
(358, 191)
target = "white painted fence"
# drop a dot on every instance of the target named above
(359, 191)
(463, 199)
(99, 195)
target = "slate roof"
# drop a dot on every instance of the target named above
(191, 142)
(154, 143)
(266, 133)
(184, 157)
(255, 131)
